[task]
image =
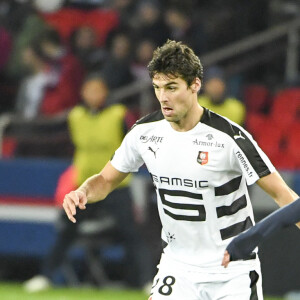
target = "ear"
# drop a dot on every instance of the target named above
(196, 85)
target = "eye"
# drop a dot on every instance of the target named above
(171, 88)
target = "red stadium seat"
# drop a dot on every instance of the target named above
(257, 98)
(255, 123)
(66, 20)
(293, 143)
(286, 107)
(270, 140)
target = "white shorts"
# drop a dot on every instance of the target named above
(176, 283)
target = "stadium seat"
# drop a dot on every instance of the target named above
(257, 98)
(255, 123)
(286, 107)
(66, 20)
(293, 142)
(270, 140)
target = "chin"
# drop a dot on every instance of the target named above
(171, 119)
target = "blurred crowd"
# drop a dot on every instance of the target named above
(62, 60)
(47, 47)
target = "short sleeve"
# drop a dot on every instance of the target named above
(127, 158)
(250, 158)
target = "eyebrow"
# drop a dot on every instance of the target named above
(167, 84)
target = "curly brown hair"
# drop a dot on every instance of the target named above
(178, 60)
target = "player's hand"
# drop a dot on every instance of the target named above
(73, 200)
(226, 259)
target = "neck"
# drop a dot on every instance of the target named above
(190, 120)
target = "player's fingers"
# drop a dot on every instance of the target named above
(81, 206)
(71, 203)
(82, 199)
(226, 259)
(74, 197)
(68, 212)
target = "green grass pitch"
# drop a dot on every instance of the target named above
(14, 291)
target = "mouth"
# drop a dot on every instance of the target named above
(167, 111)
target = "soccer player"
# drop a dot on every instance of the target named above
(200, 164)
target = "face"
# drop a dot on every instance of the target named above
(176, 98)
(85, 38)
(144, 51)
(94, 93)
(121, 46)
(215, 88)
(149, 13)
(31, 60)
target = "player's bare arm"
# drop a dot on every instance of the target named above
(94, 189)
(275, 186)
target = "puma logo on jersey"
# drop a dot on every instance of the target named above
(154, 152)
(239, 136)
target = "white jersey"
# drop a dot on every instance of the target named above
(201, 178)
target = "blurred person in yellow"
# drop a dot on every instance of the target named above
(216, 99)
(96, 130)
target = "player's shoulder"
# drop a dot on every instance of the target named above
(151, 118)
(221, 123)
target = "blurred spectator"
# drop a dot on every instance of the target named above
(142, 55)
(13, 14)
(5, 47)
(54, 83)
(96, 131)
(32, 88)
(32, 27)
(126, 10)
(116, 68)
(84, 46)
(149, 22)
(184, 28)
(5, 51)
(216, 99)
(69, 73)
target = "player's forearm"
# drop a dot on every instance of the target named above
(96, 188)
(274, 185)
(286, 197)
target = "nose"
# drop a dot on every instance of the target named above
(162, 97)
